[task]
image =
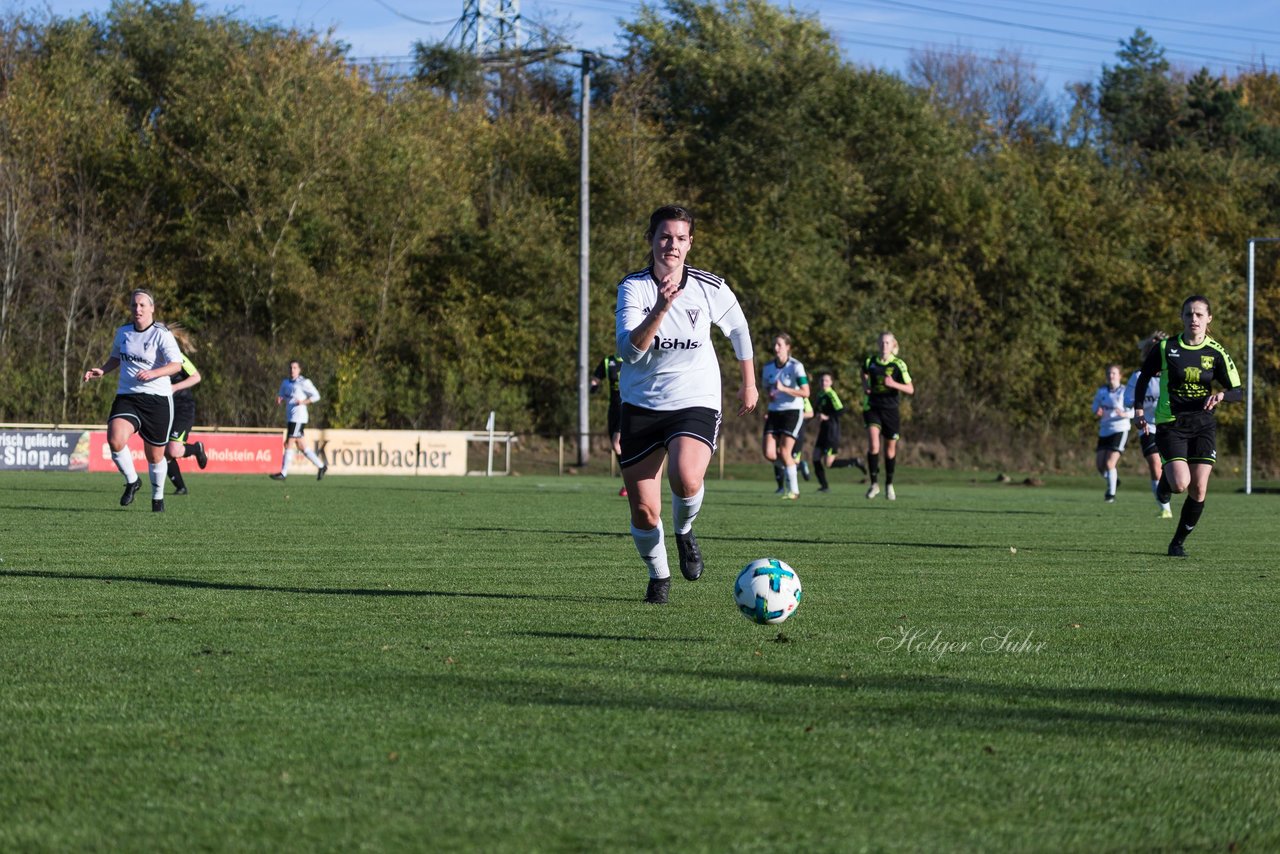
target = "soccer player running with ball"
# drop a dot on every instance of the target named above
(670, 383)
(147, 355)
(1186, 429)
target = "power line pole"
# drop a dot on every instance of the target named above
(584, 257)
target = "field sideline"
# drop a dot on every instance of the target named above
(464, 664)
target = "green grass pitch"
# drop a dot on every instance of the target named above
(465, 664)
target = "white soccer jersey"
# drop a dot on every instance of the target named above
(791, 374)
(297, 394)
(153, 347)
(1109, 400)
(1148, 402)
(679, 368)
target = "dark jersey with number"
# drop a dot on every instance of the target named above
(1186, 375)
(878, 395)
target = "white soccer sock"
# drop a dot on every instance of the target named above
(653, 550)
(1113, 477)
(124, 462)
(685, 510)
(285, 461)
(315, 461)
(792, 484)
(159, 471)
(1155, 489)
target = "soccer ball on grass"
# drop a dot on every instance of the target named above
(767, 591)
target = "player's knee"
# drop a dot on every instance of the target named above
(686, 487)
(645, 518)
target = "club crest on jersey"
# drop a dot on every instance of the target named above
(1206, 362)
(693, 316)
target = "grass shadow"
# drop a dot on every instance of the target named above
(929, 702)
(195, 584)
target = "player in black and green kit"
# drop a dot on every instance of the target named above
(829, 409)
(884, 377)
(610, 368)
(184, 414)
(1186, 430)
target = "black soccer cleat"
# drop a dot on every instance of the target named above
(656, 593)
(157, 505)
(202, 459)
(320, 472)
(277, 476)
(130, 490)
(690, 556)
(181, 490)
(1176, 550)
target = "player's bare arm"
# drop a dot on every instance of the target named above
(162, 371)
(107, 367)
(748, 394)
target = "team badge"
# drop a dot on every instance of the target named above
(1206, 362)
(693, 316)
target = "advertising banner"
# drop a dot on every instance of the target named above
(402, 452)
(380, 452)
(44, 450)
(229, 453)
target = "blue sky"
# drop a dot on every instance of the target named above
(1067, 42)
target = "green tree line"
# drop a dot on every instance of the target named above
(414, 242)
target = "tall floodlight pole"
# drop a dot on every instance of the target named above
(584, 258)
(1248, 376)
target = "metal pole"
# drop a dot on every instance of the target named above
(584, 259)
(1248, 387)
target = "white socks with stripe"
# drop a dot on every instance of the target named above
(652, 547)
(159, 471)
(124, 462)
(685, 510)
